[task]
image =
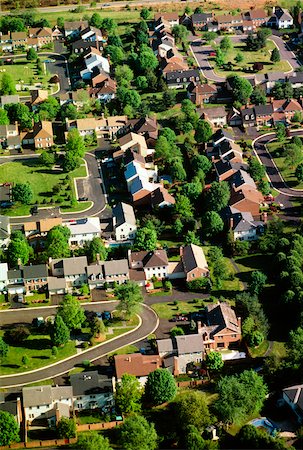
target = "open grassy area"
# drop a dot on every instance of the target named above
(169, 310)
(288, 173)
(25, 72)
(256, 352)
(250, 58)
(42, 180)
(125, 350)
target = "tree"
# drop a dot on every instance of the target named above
(220, 58)
(75, 143)
(201, 284)
(18, 249)
(192, 409)
(4, 120)
(93, 441)
(116, 54)
(258, 96)
(217, 197)
(60, 333)
(193, 190)
(201, 162)
(275, 56)
(3, 348)
(66, 428)
(19, 112)
(256, 170)
(7, 85)
(239, 57)
(203, 131)
(71, 312)
(183, 207)
(241, 88)
(146, 239)
(57, 242)
(70, 162)
(212, 224)
(23, 193)
(49, 108)
(257, 282)
(25, 360)
(145, 13)
(141, 82)
(180, 33)
(226, 44)
(137, 434)
(240, 396)
(128, 394)
(176, 331)
(294, 347)
(194, 440)
(108, 25)
(9, 429)
(96, 247)
(17, 335)
(47, 159)
(160, 387)
(124, 73)
(299, 172)
(214, 361)
(130, 298)
(31, 54)
(293, 155)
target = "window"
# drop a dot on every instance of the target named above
(193, 275)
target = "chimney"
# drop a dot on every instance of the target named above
(50, 260)
(19, 262)
(19, 410)
(98, 258)
(199, 326)
(264, 217)
(181, 251)
(231, 223)
(239, 322)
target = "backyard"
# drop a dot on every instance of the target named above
(170, 309)
(42, 180)
(249, 58)
(288, 173)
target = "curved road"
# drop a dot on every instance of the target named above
(201, 54)
(149, 325)
(260, 149)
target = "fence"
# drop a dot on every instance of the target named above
(97, 426)
(191, 383)
(40, 444)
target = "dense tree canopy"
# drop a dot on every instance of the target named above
(60, 332)
(130, 298)
(93, 441)
(192, 409)
(57, 245)
(128, 394)
(9, 429)
(137, 434)
(160, 387)
(18, 249)
(146, 239)
(23, 193)
(71, 312)
(218, 195)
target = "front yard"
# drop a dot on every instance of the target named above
(25, 73)
(169, 310)
(249, 58)
(276, 150)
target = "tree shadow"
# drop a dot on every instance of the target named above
(41, 357)
(10, 366)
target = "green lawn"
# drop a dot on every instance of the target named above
(25, 72)
(125, 350)
(168, 310)
(288, 173)
(259, 351)
(42, 180)
(250, 58)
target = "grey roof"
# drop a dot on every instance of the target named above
(282, 14)
(296, 77)
(275, 76)
(242, 177)
(71, 266)
(165, 345)
(221, 133)
(45, 395)
(87, 383)
(295, 395)
(37, 271)
(4, 227)
(6, 99)
(212, 113)
(264, 110)
(201, 17)
(193, 257)
(124, 213)
(191, 73)
(56, 283)
(94, 269)
(14, 273)
(116, 267)
(222, 316)
(189, 343)
(75, 25)
(10, 407)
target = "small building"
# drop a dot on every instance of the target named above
(38, 96)
(13, 407)
(194, 262)
(5, 231)
(216, 116)
(293, 397)
(182, 78)
(136, 364)
(124, 222)
(91, 391)
(83, 230)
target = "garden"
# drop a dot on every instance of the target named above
(286, 167)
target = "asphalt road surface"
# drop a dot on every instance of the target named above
(260, 149)
(148, 326)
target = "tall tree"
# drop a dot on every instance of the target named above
(3, 348)
(214, 361)
(96, 247)
(180, 33)
(241, 88)
(203, 131)
(218, 195)
(257, 282)
(4, 120)
(160, 387)
(71, 312)
(212, 224)
(7, 85)
(146, 239)
(137, 434)
(226, 44)
(57, 242)
(23, 193)
(192, 409)
(60, 333)
(275, 56)
(66, 428)
(19, 112)
(18, 249)
(130, 298)
(75, 143)
(9, 429)
(128, 394)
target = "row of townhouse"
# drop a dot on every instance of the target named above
(242, 215)
(46, 405)
(108, 127)
(32, 38)
(61, 276)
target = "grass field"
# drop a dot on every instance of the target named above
(288, 174)
(169, 310)
(42, 181)
(250, 58)
(25, 72)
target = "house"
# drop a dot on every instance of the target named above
(194, 262)
(182, 78)
(288, 107)
(263, 114)
(43, 35)
(91, 34)
(243, 225)
(136, 364)
(228, 22)
(105, 92)
(257, 16)
(171, 18)
(41, 136)
(271, 78)
(246, 200)
(15, 282)
(13, 407)
(248, 117)
(47, 403)
(6, 42)
(221, 328)
(57, 33)
(124, 222)
(5, 231)
(9, 137)
(153, 263)
(146, 126)
(38, 96)
(92, 60)
(202, 93)
(91, 391)
(201, 20)
(234, 118)
(72, 270)
(57, 286)
(35, 277)
(80, 46)
(110, 272)
(161, 198)
(107, 128)
(216, 116)
(3, 276)
(179, 351)
(47, 224)
(220, 136)
(296, 79)
(226, 168)
(18, 39)
(227, 151)
(242, 180)
(281, 18)
(83, 230)
(72, 29)
(7, 99)
(293, 397)
(135, 142)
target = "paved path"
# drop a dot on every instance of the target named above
(149, 325)
(260, 149)
(201, 54)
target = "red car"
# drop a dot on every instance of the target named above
(212, 54)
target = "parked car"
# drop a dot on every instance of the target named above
(212, 53)
(34, 210)
(106, 315)
(6, 204)
(82, 199)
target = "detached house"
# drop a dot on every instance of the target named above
(41, 136)
(181, 78)
(124, 222)
(229, 22)
(42, 36)
(194, 262)
(35, 277)
(202, 93)
(136, 364)
(91, 34)
(9, 137)
(246, 200)
(243, 225)
(281, 18)
(201, 20)
(83, 230)
(150, 264)
(293, 397)
(216, 116)
(72, 29)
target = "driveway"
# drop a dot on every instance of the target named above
(260, 149)
(148, 326)
(201, 54)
